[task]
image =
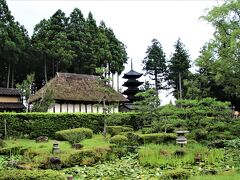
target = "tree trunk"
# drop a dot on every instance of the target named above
(105, 120)
(12, 76)
(53, 68)
(180, 85)
(156, 83)
(57, 66)
(117, 82)
(112, 80)
(8, 76)
(45, 69)
(5, 128)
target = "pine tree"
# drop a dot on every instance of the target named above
(155, 64)
(178, 69)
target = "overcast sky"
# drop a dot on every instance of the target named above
(135, 23)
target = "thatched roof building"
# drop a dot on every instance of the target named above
(78, 90)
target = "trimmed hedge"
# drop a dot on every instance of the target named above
(74, 135)
(115, 130)
(158, 138)
(39, 124)
(119, 140)
(31, 174)
(87, 157)
(133, 138)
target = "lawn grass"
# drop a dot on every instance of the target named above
(164, 155)
(97, 141)
(42, 147)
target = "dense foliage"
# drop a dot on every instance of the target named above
(38, 124)
(30, 174)
(218, 64)
(71, 44)
(74, 135)
(155, 64)
(178, 70)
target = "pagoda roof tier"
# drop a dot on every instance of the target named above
(132, 74)
(132, 82)
(131, 91)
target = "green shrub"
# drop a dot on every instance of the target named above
(133, 139)
(31, 174)
(147, 130)
(40, 124)
(87, 157)
(2, 143)
(115, 130)
(158, 138)
(176, 174)
(119, 140)
(74, 135)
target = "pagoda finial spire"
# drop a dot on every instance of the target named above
(131, 64)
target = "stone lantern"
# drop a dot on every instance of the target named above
(181, 139)
(55, 148)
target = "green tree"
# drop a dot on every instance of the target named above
(178, 69)
(147, 106)
(114, 54)
(223, 50)
(155, 64)
(76, 30)
(14, 39)
(26, 87)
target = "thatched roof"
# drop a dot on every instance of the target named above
(78, 87)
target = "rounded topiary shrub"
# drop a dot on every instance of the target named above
(133, 139)
(74, 135)
(115, 130)
(119, 140)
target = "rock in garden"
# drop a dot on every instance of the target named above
(55, 160)
(42, 139)
(77, 146)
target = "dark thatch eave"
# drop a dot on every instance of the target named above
(11, 106)
(78, 87)
(9, 92)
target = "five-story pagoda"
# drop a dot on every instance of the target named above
(132, 85)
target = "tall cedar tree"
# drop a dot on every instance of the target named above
(76, 34)
(66, 44)
(13, 46)
(178, 70)
(59, 46)
(155, 64)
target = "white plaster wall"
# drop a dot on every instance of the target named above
(76, 108)
(116, 109)
(100, 108)
(83, 108)
(89, 108)
(57, 108)
(95, 109)
(64, 107)
(70, 108)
